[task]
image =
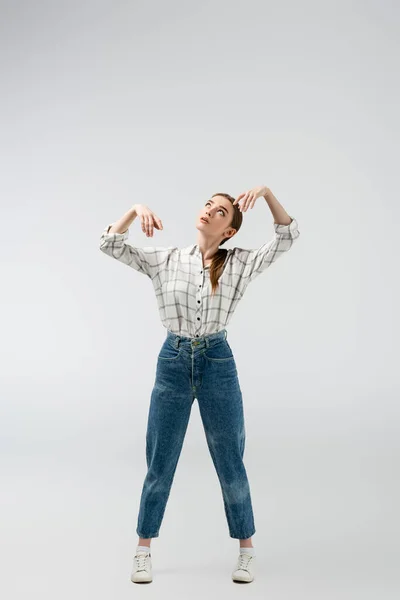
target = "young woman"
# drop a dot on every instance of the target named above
(198, 288)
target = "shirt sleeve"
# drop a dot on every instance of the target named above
(254, 262)
(148, 260)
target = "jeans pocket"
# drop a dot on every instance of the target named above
(220, 352)
(169, 352)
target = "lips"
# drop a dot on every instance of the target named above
(204, 220)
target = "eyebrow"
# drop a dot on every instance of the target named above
(220, 205)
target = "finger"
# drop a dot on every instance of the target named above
(240, 206)
(147, 225)
(245, 202)
(252, 203)
(249, 196)
(238, 198)
(250, 200)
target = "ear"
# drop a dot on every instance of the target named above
(230, 233)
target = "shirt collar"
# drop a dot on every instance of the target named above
(193, 249)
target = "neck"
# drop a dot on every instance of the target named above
(207, 249)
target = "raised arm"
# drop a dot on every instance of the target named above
(148, 260)
(254, 261)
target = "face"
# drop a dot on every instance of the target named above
(219, 212)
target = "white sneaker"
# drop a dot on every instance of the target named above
(244, 569)
(142, 568)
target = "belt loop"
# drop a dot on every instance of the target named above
(207, 341)
(226, 333)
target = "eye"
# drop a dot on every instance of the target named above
(219, 210)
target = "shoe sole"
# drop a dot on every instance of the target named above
(239, 580)
(149, 580)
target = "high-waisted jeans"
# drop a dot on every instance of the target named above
(202, 368)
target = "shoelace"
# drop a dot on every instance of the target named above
(141, 560)
(244, 560)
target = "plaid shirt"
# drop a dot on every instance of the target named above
(182, 285)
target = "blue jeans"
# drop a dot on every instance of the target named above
(202, 368)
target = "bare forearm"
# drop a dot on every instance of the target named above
(280, 215)
(124, 222)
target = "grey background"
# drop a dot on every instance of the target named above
(106, 104)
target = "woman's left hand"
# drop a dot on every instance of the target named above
(250, 197)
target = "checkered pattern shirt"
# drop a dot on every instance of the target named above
(182, 284)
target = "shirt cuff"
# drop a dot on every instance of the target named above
(279, 228)
(124, 234)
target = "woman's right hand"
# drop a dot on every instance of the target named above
(148, 219)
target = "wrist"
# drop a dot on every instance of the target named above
(266, 192)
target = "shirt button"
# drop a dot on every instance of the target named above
(198, 301)
(198, 318)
